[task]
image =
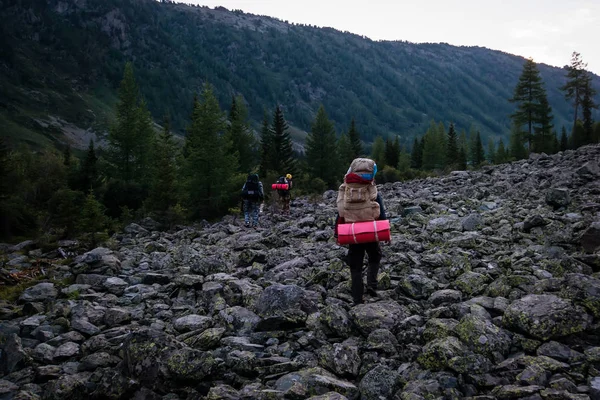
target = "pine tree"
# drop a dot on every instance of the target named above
(501, 155)
(354, 136)
(284, 161)
(92, 218)
(416, 155)
(131, 136)
(596, 136)
(431, 149)
(452, 148)
(543, 140)
(574, 88)
(564, 140)
(208, 165)
(345, 151)
(239, 137)
(517, 150)
(532, 104)
(88, 173)
(442, 145)
(587, 104)
(378, 152)
(321, 151)
(491, 153)
(577, 139)
(266, 148)
(462, 159)
(479, 154)
(392, 152)
(163, 184)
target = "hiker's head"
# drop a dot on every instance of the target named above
(253, 177)
(288, 176)
(363, 167)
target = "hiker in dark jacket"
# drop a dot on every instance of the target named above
(356, 252)
(252, 195)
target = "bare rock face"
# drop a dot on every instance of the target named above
(490, 289)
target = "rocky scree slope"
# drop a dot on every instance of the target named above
(490, 289)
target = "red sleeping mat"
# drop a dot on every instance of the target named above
(280, 186)
(364, 232)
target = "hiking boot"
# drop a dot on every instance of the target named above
(372, 292)
(247, 224)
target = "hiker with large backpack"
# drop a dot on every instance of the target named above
(252, 196)
(283, 186)
(358, 204)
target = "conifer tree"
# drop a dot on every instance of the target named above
(532, 105)
(442, 145)
(239, 137)
(88, 173)
(130, 138)
(491, 152)
(577, 139)
(354, 136)
(208, 165)
(576, 81)
(479, 154)
(266, 148)
(283, 152)
(321, 151)
(452, 148)
(543, 132)
(501, 155)
(517, 150)
(392, 152)
(596, 136)
(416, 155)
(163, 184)
(67, 156)
(378, 152)
(345, 151)
(587, 104)
(434, 147)
(564, 140)
(462, 159)
(92, 218)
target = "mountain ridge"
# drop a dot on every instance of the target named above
(390, 87)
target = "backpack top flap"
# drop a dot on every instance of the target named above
(358, 202)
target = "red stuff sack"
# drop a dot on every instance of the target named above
(364, 232)
(280, 186)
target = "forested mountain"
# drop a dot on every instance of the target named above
(61, 62)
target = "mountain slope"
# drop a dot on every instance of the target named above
(65, 59)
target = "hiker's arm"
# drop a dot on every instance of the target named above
(381, 207)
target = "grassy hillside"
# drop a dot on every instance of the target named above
(61, 62)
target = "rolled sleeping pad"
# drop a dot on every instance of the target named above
(364, 232)
(280, 186)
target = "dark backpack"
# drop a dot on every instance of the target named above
(282, 192)
(251, 190)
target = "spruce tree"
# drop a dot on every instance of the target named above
(564, 140)
(479, 154)
(266, 148)
(501, 155)
(355, 143)
(462, 159)
(517, 150)
(434, 147)
(596, 136)
(92, 218)
(392, 152)
(442, 145)
(67, 156)
(587, 104)
(284, 160)
(239, 137)
(378, 152)
(416, 154)
(88, 173)
(163, 184)
(452, 148)
(576, 81)
(321, 151)
(345, 151)
(543, 140)
(209, 167)
(532, 104)
(491, 153)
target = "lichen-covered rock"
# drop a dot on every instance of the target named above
(192, 322)
(336, 321)
(583, 290)
(343, 359)
(380, 315)
(439, 328)
(417, 286)
(380, 382)
(68, 387)
(471, 283)
(383, 340)
(545, 317)
(437, 353)
(483, 336)
(314, 381)
(283, 307)
(41, 292)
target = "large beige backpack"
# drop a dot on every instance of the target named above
(356, 202)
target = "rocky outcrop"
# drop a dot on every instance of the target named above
(490, 289)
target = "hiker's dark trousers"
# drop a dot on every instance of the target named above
(356, 256)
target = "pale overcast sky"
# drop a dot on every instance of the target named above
(547, 30)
